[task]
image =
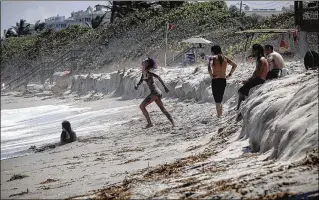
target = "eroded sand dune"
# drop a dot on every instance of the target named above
(272, 152)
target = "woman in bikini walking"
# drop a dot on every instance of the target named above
(156, 94)
(217, 71)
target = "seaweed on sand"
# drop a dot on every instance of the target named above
(167, 170)
(17, 176)
(20, 194)
(121, 191)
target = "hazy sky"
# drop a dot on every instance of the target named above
(31, 11)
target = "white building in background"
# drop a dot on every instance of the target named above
(77, 18)
(263, 12)
(288, 9)
(58, 22)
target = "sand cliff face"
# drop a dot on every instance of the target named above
(183, 84)
(282, 117)
(207, 156)
(279, 117)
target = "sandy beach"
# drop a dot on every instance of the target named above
(77, 76)
(108, 156)
(202, 157)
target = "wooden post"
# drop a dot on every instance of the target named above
(42, 74)
(195, 54)
(303, 43)
(166, 32)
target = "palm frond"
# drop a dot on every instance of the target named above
(88, 24)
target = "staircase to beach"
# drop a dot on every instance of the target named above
(179, 58)
(76, 57)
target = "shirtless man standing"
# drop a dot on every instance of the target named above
(275, 61)
(217, 71)
(259, 75)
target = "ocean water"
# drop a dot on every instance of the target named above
(22, 128)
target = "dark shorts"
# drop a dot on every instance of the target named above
(274, 73)
(311, 60)
(218, 88)
(148, 99)
(250, 84)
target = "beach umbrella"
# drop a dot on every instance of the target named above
(197, 40)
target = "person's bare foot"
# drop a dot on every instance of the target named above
(239, 117)
(148, 125)
(173, 124)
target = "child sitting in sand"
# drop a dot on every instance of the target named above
(67, 135)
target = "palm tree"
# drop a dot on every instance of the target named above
(11, 33)
(121, 8)
(96, 22)
(39, 26)
(233, 8)
(171, 4)
(22, 28)
(114, 7)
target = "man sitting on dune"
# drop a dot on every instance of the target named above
(276, 63)
(259, 75)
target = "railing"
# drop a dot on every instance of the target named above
(90, 53)
(70, 55)
(178, 56)
(35, 70)
(52, 66)
(22, 76)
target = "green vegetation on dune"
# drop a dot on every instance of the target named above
(29, 46)
(281, 21)
(141, 32)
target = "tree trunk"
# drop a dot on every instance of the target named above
(113, 9)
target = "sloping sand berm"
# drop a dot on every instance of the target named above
(271, 153)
